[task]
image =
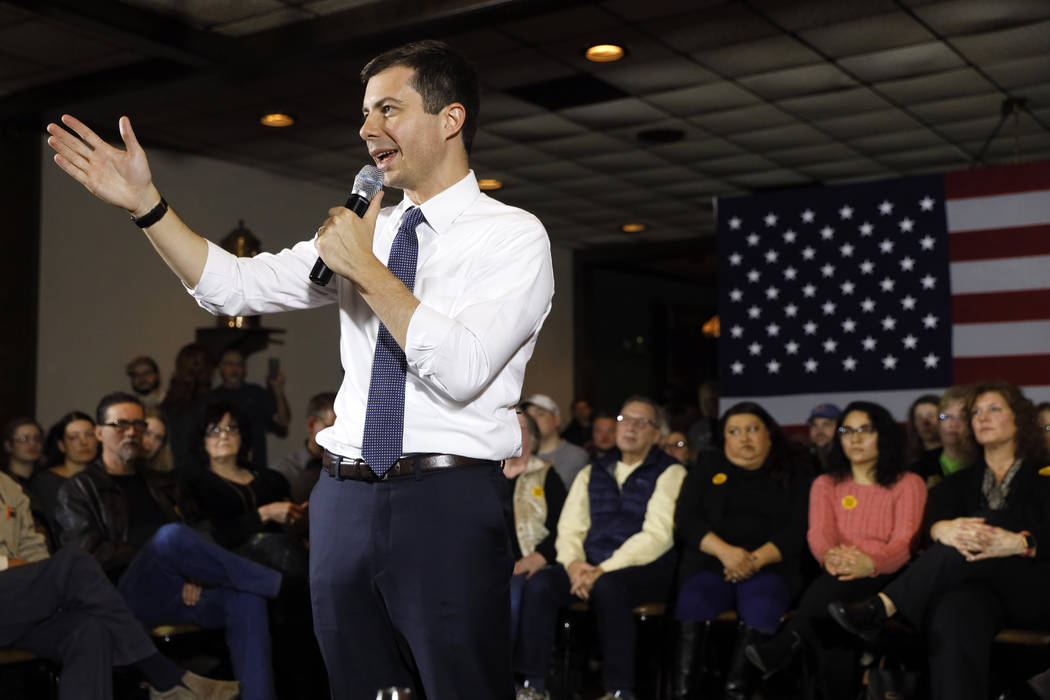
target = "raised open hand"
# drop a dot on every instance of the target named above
(119, 177)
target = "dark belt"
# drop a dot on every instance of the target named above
(358, 469)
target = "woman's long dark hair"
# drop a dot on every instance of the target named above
(192, 376)
(890, 442)
(212, 416)
(777, 462)
(53, 454)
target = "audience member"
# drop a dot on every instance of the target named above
(65, 609)
(603, 435)
(739, 525)
(578, 431)
(265, 410)
(537, 495)
(923, 435)
(1044, 423)
(864, 516)
(822, 421)
(23, 445)
(702, 434)
(989, 565)
(145, 381)
(133, 523)
(956, 450)
(302, 468)
(155, 448)
(71, 446)
(676, 444)
(614, 549)
(568, 458)
(184, 401)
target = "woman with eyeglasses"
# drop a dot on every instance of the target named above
(989, 564)
(23, 445)
(739, 523)
(864, 515)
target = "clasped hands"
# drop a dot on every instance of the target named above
(739, 564)
(977, 540)
(582, 577)
(847, 563)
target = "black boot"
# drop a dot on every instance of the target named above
(776, 654)
(740, 679)
(684, 675)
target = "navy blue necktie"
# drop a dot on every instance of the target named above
(385, 414)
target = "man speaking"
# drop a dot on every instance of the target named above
(409, 559)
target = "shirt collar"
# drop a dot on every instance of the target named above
(441, 210)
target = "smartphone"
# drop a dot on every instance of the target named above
(275, 367)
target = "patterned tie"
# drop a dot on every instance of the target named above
(385, 413)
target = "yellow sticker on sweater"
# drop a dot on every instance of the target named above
(1045, 471)
(537, 491)
(849, 502)
(718, 479)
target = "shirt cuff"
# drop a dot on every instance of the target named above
(3, 562)
(427, 329)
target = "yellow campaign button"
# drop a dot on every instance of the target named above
(849, 502)
(719, 478)
(537, 491)
(1045, 471)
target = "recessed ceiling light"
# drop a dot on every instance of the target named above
(633, 227)
(488, 183)
(604, 53)
(276, 119)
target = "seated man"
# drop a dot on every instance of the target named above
(613, 549)
(302, 468)
(65, 609)
(131, 521)
(568, 458)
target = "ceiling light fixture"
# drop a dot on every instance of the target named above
(633, 227)
(605, 53)
(489, 183)
(276, 119)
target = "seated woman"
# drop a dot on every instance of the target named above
(155, 441)
(1044, 423)
(537, 495)
(23, 447)
(985, 569)
(864, 515)
(739, 524)
(71, 445)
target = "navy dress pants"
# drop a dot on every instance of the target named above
(409, 580)
(65, 609)
(234, 598)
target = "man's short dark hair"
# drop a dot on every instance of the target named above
(443, 76)
(142, 360)
(113, 399)
(319, 403)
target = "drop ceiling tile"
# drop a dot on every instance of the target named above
(554, 171)
(1020, 73)
(10, 16)
(758, 56)
(771, 178)
(970, 129)
(847, 168)
(480, 44)
(779, 137)
(262, 22)
(511, 158)
(744, 119)
(623, 160)
(723, 25)
(206, 13)
(960, 108)
(980, 16)
(327, 162)
(1005, 45)
(902, 62)
(588, 186)
(274, 148)
(798, 157)
(639, 11)
(646, 77)
(561, 25)
(329, 7)
(52, 44)
(693, 187)
(857, 37)
(539, 127)
(858, 125)
(485, 140)
(522, 66)
(657, 177)
(640, 48)
(582, 146)
(713, 97)
(12, 67)
(937, 156)
(497, 106)
(734, 165)
(888, 142)
(952, 83)
(805, 14)
(691, 151)
(613, 114)
(807, 80)
(624, 196)
(832, 104)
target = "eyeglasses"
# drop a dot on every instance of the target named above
(217, 430)
(750, 430)
(944, 417)
(1047, 428)
(28, 438)
(126, 425)
(862, 430)
(635, 421)
(680, 443)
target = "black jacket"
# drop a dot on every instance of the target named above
(93, 513)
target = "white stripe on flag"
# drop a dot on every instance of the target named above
(1001, 275)
(998, 211)
(1014, 338)
(793, 409)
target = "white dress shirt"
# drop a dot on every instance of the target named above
(484, 281)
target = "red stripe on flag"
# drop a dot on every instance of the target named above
(1019, 369)
(999, 243)
(996, 307)
(999, 179)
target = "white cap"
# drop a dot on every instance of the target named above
(543, 401)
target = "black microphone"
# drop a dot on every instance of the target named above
(366, 186)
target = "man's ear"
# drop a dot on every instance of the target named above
(455, 118)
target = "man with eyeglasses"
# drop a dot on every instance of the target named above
(134, 523)
(614, 549)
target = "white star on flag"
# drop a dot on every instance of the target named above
(790, 273)
(755, 348)
(791, 311)
(869, 343)
(753, 239)
(849, 325)
(827, 233)
(846, 250)
(771, 256)
(737, 367)
(886, 246)
(735, 258)
(772, 293)
(754, 312)
(827, 270)
(927, 242)
(867, 267)
(846, 212)
(886, 207)
(931, 360)
(791, 347)
(807, 216)
(753, 275)
(830, 344)
(889, 362)
(808, 253)
(773, 366)
(773, 330)
(926, 203)
(847, 287)
(868, 305)
(910, 341)
(790, 236)
(771, 219)
(809, 328)
(929, 282)
(811, 365)
(889, 323)
(866, 229)
(828, 307)
(909, 302)
(906, 225)
(809, 290)
(736, 331)
(736, 295)
(734, 223)
(887, 284)
(907, 264)
(849, 364)
(929, 321)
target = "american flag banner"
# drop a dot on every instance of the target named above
(885, 290)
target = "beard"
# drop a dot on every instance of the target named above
(130, 452)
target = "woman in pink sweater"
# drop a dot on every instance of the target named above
(864, 515)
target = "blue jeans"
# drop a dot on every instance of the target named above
(517, 590)
(234, 598)
(760, 601)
